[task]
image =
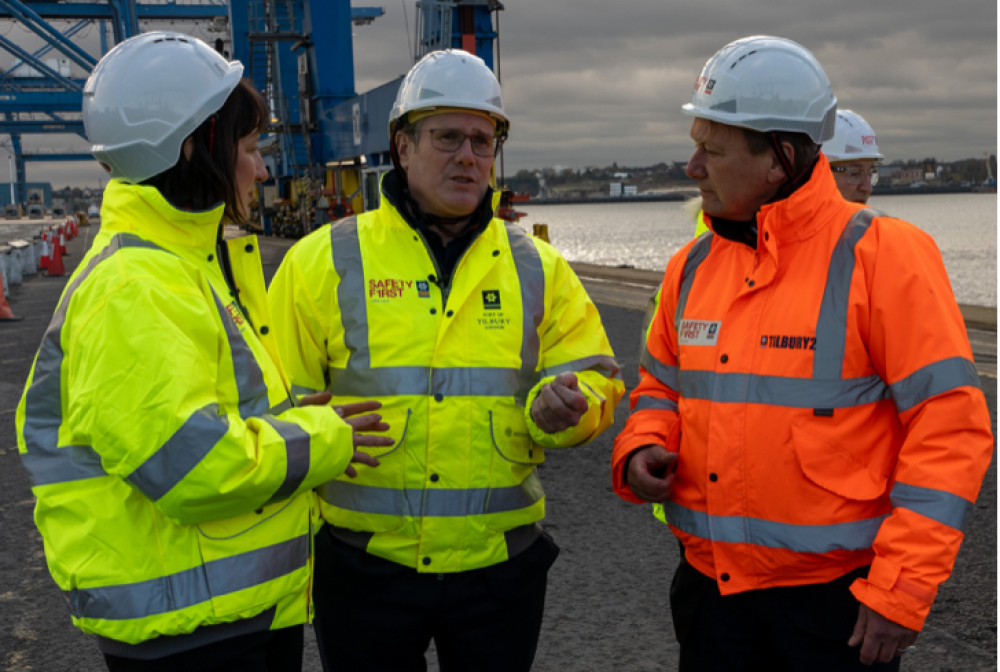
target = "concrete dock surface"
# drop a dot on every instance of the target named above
(607, 605)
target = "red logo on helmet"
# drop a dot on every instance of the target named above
(704, 85)
(867, 139)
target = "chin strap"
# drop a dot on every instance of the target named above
(792, 181)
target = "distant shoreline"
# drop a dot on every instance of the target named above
(683, 195)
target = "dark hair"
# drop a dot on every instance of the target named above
(806, 150)
(209, 176)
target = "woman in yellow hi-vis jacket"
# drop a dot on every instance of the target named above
(172, 469)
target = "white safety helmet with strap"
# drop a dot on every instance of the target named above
(147, 95)
(766, 84)
(450, 78)
(853, 139)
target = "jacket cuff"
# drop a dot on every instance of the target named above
(581, 432)
(885, 591)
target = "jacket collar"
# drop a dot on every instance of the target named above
(806, 211)
(142, 210)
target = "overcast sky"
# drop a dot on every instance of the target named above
(590, 82)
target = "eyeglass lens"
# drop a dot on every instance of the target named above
(450, 140)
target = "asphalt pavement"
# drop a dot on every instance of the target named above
(607, 601)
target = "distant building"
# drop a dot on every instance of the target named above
(34, 191)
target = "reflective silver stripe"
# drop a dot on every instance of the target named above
(696, 255)
(280, 407)
(666, 374)
(421, 381)
(250, 384)
(45, 460)
(347, 264)
(782, 391)
(432, 503)
(299, 390)
(602, 364)
(852, 536)
(48, 463)
(190, 587)
(296, 456)
(181, 453)
(941, 376)
(831, 326)
(655, 403)
(531, 277)
(944, 507)
(360, 379)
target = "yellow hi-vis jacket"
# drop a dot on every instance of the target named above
(456, 368)
(174, 479)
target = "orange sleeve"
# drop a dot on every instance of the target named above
(919, 345)
(653, 403)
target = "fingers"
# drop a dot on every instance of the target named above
(370, 422)
(651, 473)
(858, 634)
(362, 457)
(881, 639)
(559, 404)
(315, 399)
(347, 410)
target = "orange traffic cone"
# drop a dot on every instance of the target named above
(6, 314)
(62, 240)
(43, 261)
(55, 262)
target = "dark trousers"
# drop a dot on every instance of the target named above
(376, 615)
(272, 651)
(793, 629)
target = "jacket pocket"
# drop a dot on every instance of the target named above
(374, 501)
(832, 468)
(254, 561)
(510, 438)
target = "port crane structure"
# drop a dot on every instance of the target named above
(326, 145)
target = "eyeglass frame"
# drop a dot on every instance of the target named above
(495, 145)
(871, 173)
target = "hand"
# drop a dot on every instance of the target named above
(880, 639)
(651, 473)
(369, 422)
(559, 405)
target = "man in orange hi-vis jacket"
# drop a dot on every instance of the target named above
(808, 411)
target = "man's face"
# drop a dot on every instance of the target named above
(854, 179)
(733, 182)
(447, 183)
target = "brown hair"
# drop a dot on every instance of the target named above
(806, 150)
(209, 176)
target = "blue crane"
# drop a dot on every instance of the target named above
(298, 53)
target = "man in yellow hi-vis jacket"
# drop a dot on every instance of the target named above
(485, 352)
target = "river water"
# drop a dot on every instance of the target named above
(645, 235)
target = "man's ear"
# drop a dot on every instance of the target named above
(777, 174)
(188, 147)
(404, 145)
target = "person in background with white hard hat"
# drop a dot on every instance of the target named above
(486, 353)
(173, 472)
(808, 409)
(853, 155)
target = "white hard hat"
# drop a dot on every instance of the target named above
(766, 84)
(147, 95)
(852, 139)
(450, 78)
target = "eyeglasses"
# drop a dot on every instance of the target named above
(855, 173)
(451, 140)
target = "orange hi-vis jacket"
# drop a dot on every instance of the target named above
(822, 398)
